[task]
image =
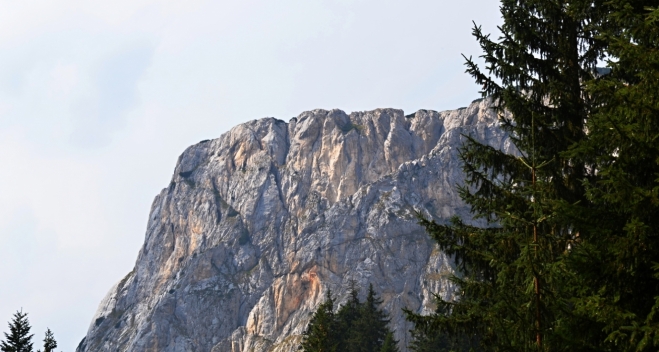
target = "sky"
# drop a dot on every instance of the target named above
(99, 98)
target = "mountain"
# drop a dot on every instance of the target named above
(256, 225)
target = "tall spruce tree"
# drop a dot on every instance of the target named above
(321, 333)
(19, 338)
(515, 286)
(618, 250)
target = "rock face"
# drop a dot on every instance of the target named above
(256, 225)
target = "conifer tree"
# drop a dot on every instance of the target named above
(618, 247)
(371, 328)
(19, 338)
(423, 342)
(514, 283)
(389, 344)
(321, 334)
(356, 327)
(49, 343)
(427, 338)
(347, 316)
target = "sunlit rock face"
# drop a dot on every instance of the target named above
(258, 224)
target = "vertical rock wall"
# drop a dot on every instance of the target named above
(256, 225)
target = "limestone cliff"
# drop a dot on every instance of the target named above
(256, 225)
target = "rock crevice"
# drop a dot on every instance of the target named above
(256, 225)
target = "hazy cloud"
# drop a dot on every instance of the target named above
(115, 86)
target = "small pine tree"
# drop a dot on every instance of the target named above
(356, 327)
(19, 338)
(371, 328)
(49, 343)
(320, 335)
(389, 344)
(347, 316)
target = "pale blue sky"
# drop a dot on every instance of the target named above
(98, 99)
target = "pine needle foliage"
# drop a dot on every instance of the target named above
(371, 326)
(321, 334)
(514, 280)
(49, 343)
(618, 250)
(347, 317)
(356, 327)
(389, 344)
(19, 338)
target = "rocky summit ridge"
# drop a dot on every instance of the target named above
(256, 225)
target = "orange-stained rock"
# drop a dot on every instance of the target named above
(258, 224)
